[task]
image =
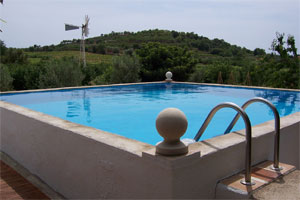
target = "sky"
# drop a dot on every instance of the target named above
(246, 23)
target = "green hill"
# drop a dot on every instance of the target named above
(118, 43)
(147, 56)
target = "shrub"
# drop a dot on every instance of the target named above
(5, 78)
(91, 71)
(104, 78)
(125, 69)
(61, 73)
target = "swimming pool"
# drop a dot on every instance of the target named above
(131, 110)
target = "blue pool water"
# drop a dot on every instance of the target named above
(131, 110)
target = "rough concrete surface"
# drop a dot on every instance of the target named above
(286, 187)
(43, 187)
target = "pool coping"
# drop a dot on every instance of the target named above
(144, 83)
(214, 144)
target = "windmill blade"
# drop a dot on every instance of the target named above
(87, 19)
(69, 27)
(86, 29)
(2, 20)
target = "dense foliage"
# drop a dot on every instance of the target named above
(119, 43)
(146, 56)
(157, 59)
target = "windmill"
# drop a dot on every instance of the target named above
(84, 33)
(1, 1)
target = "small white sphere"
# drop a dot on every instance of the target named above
(171, 124)
(169, 75)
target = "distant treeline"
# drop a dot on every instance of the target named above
(119, 42)
(146, 56)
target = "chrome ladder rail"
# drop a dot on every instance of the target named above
(247, 122)
(277, 126)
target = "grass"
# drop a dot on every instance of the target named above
(91, 58)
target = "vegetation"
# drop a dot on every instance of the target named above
(124, 69)
(92, 58)
(157, 59)
(146, 56)
(5, 78)
(60, 73)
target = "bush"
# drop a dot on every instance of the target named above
(91, 71)
(61, 73)
(5, 78)
(104, 78)
(125, 69)
(17, 72)
(210, 73)
(198, 75)
(32, 75)
(14, 56)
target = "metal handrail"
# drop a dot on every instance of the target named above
(277, 126)
(247, 180)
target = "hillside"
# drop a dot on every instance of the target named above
(146, 56)
(92, 58)
(103, 48)
(118, 43)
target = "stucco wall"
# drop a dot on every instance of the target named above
(82, 162)
(76, 163)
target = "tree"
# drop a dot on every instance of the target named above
(285, 72)
(100, 48)
(281, 68)
(14, 56)
(259, 52)
(2, 49)
(220, 79)
(157, 59)
(175, 34)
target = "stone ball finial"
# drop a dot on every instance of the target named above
(169, 76)
(171, 124)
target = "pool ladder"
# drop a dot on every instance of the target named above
(241, 112)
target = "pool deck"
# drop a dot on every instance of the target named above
(18, 183)
(286, 187)
(14, 186)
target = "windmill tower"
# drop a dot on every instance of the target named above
(84, 33)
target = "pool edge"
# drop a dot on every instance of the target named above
(142, 83)
(118, 141)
